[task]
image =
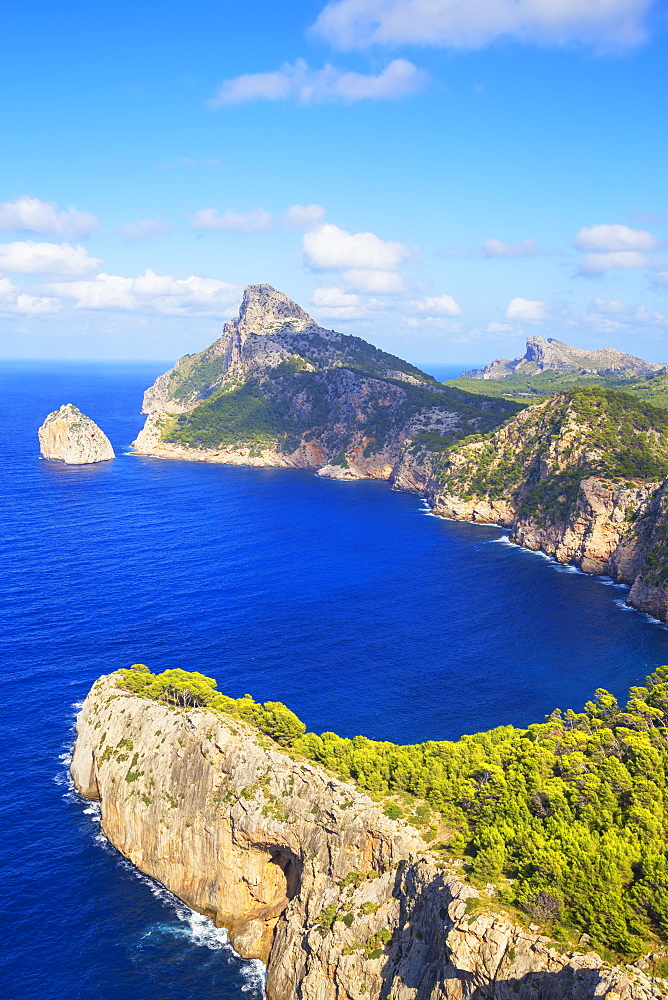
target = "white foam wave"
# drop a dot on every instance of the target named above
(621, 603)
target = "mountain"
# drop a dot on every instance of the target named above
(277, 389)
(552, 355)
(581, 476)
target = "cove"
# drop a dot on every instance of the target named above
(347, 601)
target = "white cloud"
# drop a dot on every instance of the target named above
(660, 277)
(297, 82)
(302, 216)
(598, 263)
(144, 228)
(614, 316)
(439, 305)
(611, 306)
(605, 25)
(15, 301)
(336, 303)
(30, 215)
(526, 310)
(151, 293)
(609, 238)
(331, 248)
(497, 248)
(373, 282)
(255, 221)
(27, 257)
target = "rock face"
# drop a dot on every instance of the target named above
(67, 435)
(307, 874)
(556, 475)
(276, 389)
(553, 355)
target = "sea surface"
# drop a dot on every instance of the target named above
(347, 601)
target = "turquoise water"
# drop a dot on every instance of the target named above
(347, 601)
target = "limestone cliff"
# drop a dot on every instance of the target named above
(67, 435)
(579, 477)
(277, 389)
(307, 874)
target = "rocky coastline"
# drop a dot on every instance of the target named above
(306, 873)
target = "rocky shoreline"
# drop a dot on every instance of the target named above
(308, 874)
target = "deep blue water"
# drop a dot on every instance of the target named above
(345, 600)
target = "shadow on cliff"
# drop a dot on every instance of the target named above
(419, 955)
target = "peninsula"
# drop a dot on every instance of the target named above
(581, 475)
(269, 831)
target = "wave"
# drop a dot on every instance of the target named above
(198, 930)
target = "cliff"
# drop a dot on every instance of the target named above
(67, 435)
(580, 477)
(306, 873)
(276, 389)
(552, 355)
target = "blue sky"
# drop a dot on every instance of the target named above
(442, 178)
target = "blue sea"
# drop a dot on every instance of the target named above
(347, 601)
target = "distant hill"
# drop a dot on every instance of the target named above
(553, 355)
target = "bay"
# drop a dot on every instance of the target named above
(347, 601)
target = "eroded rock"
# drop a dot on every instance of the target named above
(68, 435)
(306, 873)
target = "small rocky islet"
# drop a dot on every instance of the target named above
(68, 435)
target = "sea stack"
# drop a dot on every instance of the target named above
(68, 435)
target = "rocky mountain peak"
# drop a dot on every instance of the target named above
(543, 354)
(264, 310)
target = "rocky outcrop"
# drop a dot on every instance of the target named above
(67, 435)
(535, 475)
(306, 873)
(276, 389)
(552, 355)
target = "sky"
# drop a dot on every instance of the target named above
(441, 177)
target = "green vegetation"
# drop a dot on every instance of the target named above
(291, 405)
(586, 432)
(652, 389)
(569, 816)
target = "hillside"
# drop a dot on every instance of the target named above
(237, 810)
(578, 476)
(277, 389)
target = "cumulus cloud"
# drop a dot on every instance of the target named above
(302, 216)
(27, 257)
(497, 248)
(331, 248)
(598, 263)
(614, 315)
(336, 303)
(297, 82)
(526, 310)
(438, 305)
(605, 25)
(30, 215)
(614, 246)
(609, 238)
(143, 229)
(255, 221)
(371, 282)
(15, 301)
(151, 293)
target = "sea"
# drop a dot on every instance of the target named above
(349, 602)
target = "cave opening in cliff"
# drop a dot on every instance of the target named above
(291, 867)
